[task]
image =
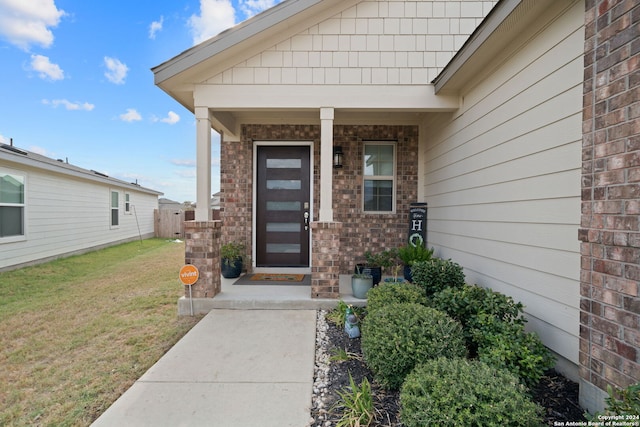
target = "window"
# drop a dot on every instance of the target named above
(114, 208)
(127, 203)
(11, 204)
(379, 177)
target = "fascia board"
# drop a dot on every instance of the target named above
(347, 97)
(264, 21)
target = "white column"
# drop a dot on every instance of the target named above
(326, 164)
(203, 164)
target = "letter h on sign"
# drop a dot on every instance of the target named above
(417, 221)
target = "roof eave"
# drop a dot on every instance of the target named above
(503, 24)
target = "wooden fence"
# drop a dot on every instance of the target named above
(169, 224)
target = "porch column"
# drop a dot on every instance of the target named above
(203, 164)
(326, 164)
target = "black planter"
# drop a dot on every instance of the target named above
(231, 269)
(375, 272)
(407, 273)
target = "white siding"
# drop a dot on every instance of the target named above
(374, 42)
(65, 215)
(502, 179)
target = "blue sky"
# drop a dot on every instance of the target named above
(76, 84)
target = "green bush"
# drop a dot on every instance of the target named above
(389, 293)
(458, 392)
(507, 345)
(622, 401)
(466, 303)
(397, 337)
(437, 274)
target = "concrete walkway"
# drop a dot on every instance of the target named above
(235, 368)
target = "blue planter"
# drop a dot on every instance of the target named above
(230, 269)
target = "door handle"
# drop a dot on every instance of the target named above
(306, 221)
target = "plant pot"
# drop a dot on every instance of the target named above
(230, 269)
(407, 274)
(375, 272)
(360, 286)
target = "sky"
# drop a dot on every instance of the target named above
(76, 84)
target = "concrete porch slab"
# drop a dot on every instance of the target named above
(267, 297)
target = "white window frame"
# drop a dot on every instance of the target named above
(23, 205)
(391, 177)
(127, 203)
(113, 209)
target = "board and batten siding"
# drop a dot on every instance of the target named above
(66, 215)
(502, 179)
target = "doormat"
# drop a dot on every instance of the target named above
(277, 277)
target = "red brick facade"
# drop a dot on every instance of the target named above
(610, 229)
(360, 232)
(202, 249)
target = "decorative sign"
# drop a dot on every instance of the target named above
(189, 274)
(418, 224)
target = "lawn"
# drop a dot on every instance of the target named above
(77, 332)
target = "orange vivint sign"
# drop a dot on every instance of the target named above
(189, 274)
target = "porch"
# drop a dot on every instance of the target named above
(266, 297)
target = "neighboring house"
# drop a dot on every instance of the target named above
(164, 203)
(514, 120)
(50, 209)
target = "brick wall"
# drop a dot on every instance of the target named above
(610, 229)
(360, 231)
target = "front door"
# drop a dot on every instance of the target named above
(283, 202)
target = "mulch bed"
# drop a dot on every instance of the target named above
(555, 393)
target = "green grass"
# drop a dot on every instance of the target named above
(77, 332)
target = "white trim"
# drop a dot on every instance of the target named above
(394, 176)
(279, 143)
(22, 237)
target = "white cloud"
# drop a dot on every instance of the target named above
(131, 116)
(72, 106)
(253, 7)
(24, 23)
(155, 27)
(182, 162)
(116, 70)
(172, 118)
(39, 150)
(3, 139)
(45, 68)
(215, 17)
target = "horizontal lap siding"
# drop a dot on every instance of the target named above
(66, 215)
(502, 180)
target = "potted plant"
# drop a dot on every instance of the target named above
(231, 259)
(412, 254)
(395, 279)
(375, 263)
(361, 283)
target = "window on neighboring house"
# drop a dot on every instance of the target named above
(127, 203)
(379, 177)
(115, 210)
(11, 204)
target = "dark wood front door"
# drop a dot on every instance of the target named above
(283, 202)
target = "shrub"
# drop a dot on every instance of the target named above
(507, 345)
(389, 293)
(622, 401)
(458, 392)
(466, 303)
(437, 274)
(396, 337)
